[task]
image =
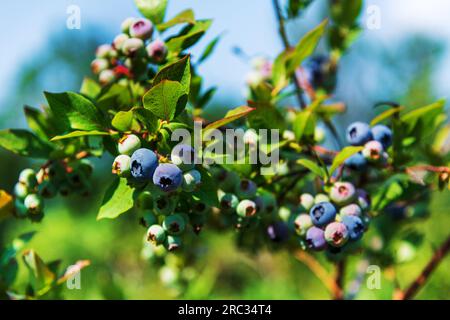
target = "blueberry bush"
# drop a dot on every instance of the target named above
(315, 201)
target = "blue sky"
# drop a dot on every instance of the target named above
(26, 25)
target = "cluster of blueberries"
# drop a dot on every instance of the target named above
(334, 220)
(130, 52)
(157, 206)
(376, 141)
(242, 203)
(54, 177)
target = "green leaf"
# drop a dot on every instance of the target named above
(426, 115)
(147, 118)
(231, 116)
(207, 192)
(155, 10)
(313, 167)
(78, 134)
(24, 143)
(116, 96)
(75, 111)
(90, 88)
(345, 12)
(189, 36)
(186, 16)
(41, 277)
(209, 49)
(38, 123)
(304, 125)
(279, 72)
(123, 120)
(305, 47)
(265, 116)
(117, 200)
(179, 71)
(166, 100)
(385, 115)
(340, 158)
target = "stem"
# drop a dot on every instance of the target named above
(338, 293)
(417, 284)
(287, 46)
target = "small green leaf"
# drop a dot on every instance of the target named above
(123, 120)
(90, 88)
(386, 115)
(426, 115)
(313, 167)
(78, 134)
(186, 16)
(117, 97)
(38, 123)
(147, 118)
(155, 10)
(231, 116)
(340, 158)
(304, 125)
(117, 200)
(306, 47)
(75, 111)
(179, 71)
(41, 277)
(189, 36)
(207, 192)
(166, 100)
(279, 72)
(24, 143)
(209, 49)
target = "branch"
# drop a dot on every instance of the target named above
(417, 284)
(338, 292)
(319, 271)
(287, 46)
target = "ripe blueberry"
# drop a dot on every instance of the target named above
(278, 231)
(356, 162)
(342, 193)
(168, 177)
(355, 227)
(358, 133)
(156, 234)
(174, 224)
(336, 234)
(382, 134)
(315, 239)
(246, 189)
(122, 166)
(184, 156)
(323, 213)
(141, 28)
(363, 199)
(129, 144)
(143, 164)
(302, 223)
(246, 208)
(157, 51)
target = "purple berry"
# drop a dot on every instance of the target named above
(168, 177)
(143, 164)
(141, 28)
(358, 133)
(356, 162)
(323, 213)
(315, 239)
(157, 51)
(351, 210)
(355, 227)
(382, 134)
(278, 231)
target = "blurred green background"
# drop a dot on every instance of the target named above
(398, 63)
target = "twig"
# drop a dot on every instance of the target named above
(338, 293)
(319, 271)
(287, 46)
(417, 284)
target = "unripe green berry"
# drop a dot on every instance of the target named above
(144, 201)
(191, 180)
(21, 209)
(21, 190)
(34, 203)
(132, 46)
(156, 234)
(148, 218)
(28, 178)
(174, 224)
(126, 24)
(320, 197)
(98, 65)
(103, 51)
(122, 165)
(284, 213)
(246, 208)
(307, 201)
(172, 243)
(302, 223)
(106, 77)
(129, 144)
(228, 202)
(47, 189)
(246, 189)
(227, 180)
(165, 204)
(119, 40)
